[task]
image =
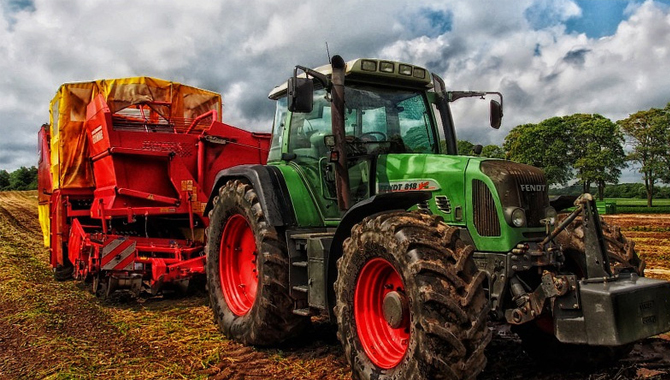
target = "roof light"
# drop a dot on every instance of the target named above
(386, 67)
(419, 73)
(369, 65)
(405, 70)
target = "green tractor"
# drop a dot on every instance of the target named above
(363, 215)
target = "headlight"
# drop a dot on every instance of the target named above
(519, 217)
(550, 215)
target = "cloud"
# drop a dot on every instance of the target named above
(243, 49)
(576, 56)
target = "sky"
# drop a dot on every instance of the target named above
(548, 57)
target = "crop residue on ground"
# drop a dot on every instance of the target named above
(59, 330)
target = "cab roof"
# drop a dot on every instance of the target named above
(373, 70)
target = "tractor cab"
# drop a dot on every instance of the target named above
(377, 121)
(387, 108)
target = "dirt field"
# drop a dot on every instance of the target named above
(51, 330)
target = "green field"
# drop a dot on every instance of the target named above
(637, 202)
(639, 206)
(631, 206)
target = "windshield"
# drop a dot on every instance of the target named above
(376, 120)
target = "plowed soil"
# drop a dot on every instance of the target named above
(59, 330)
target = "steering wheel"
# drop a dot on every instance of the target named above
(370, 135)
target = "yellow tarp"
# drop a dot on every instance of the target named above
(69, 150)
(43, 211)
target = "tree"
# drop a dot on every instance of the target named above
(23, 179)
(597, 152)
(664, 121)
(493, 151)
(4, 179)
(465, 148)
(590, 145)
(545, 145)
(647, 134)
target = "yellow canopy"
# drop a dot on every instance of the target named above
(69, 150)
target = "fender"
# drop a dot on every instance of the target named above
(270, 187)
(377, 203)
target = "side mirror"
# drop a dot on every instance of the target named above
(300, 94)
(496, 113)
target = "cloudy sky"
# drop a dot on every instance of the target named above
(548, 57)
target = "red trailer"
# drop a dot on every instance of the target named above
(125, 170)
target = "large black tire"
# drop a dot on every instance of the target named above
(445, 324)
(538, 339)
(268, 318)
(621, 251)
(65, 271)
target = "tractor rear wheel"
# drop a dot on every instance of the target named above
(410, 301)
(247, 271)
(538, 336)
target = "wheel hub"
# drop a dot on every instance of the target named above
(237, 265)
(381, 313)
(395, 308)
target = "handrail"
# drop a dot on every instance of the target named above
(197, 120)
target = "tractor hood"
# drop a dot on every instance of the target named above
(443, 175)
(478, 193)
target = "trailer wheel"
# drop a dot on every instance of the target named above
(538, 336)
(410, 301)
(247, 271)
(65, 271)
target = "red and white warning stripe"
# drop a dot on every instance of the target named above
(117, 254)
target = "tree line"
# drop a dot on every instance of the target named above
(589, 149)
(621, 190)
(20, 179)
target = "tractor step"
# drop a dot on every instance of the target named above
(301, 288)
(304, 312)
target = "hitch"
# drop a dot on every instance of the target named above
(530, 305)
(597, 261)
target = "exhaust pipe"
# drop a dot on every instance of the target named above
(337, 121)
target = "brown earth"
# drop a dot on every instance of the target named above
(58, 330)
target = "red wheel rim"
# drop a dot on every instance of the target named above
(237, 265)
(385, 346)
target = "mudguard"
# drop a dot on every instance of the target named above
(270, 187)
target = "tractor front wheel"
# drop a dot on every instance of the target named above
(410, 301)
(247, 271)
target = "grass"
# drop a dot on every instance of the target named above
(639, 206)
(638, 202)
